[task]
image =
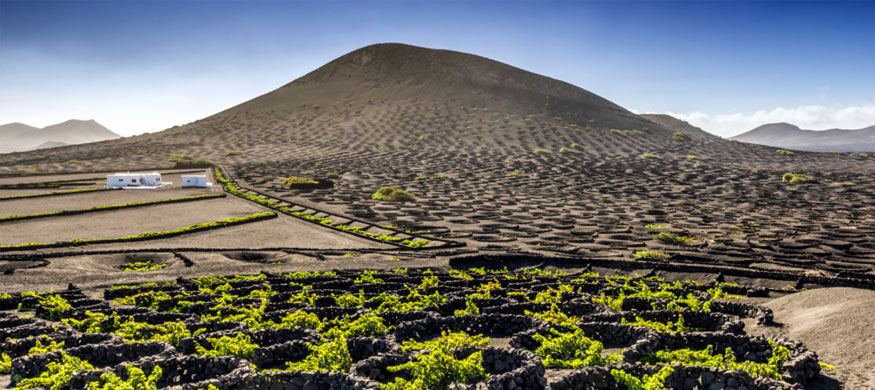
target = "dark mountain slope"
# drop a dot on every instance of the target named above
(672, 123)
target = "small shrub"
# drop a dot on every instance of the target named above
(541, 151)
(57, 375)
(649, 155)
(367, 276)
(332, 176)
(240, 346)
(143, 266)
(785, 152)
(137, 380)
(439, 368)
(571, 350)
(54, 306)
(672, 239)
(332, 356)
(470, 309)
(692, 157)
(670, 327)
(795, 178)
(392, 194)
(232, 153)
(564, 150)
(727, 360)
(648, 382)
(5, 364)
(186, 161)
(650, 255)
(680, 136)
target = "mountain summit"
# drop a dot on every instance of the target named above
(391, 72)
(392, 97)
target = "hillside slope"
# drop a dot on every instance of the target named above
(386, 97)
(672, 123)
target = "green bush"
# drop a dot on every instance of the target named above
(392, 194)
(470, 309)
(58, 373)
(672, 239)
(795, 178)
(650, 255)
(366, 325)
(240, 346)
(143, 266)
(368, 276)
(292, 181)
(649, 155)
(137, 380)
(541, 151)
(53, 306)
(5, 364)
(232, 153)
(785, 152)
(648, 382)
(39, 348)
(670, 327)
(332, 176)
(680, 136)
(438, 368)
(332, 356)
(186, 161)
(727, 361)
(571, 350)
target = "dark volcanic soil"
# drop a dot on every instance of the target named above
(516, 168)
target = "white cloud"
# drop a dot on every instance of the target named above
(806, 117)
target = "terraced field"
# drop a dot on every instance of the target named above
(400, 329)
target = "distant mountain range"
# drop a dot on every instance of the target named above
(17, 137)
(785, 135)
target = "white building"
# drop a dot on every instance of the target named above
(136, 180)
(195, 181)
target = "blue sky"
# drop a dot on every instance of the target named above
(139, 66)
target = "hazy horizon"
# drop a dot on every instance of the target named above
(140, 67)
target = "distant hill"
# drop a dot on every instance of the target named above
(16, 137)
(785, 135)
(49, 145)
(672, 123)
